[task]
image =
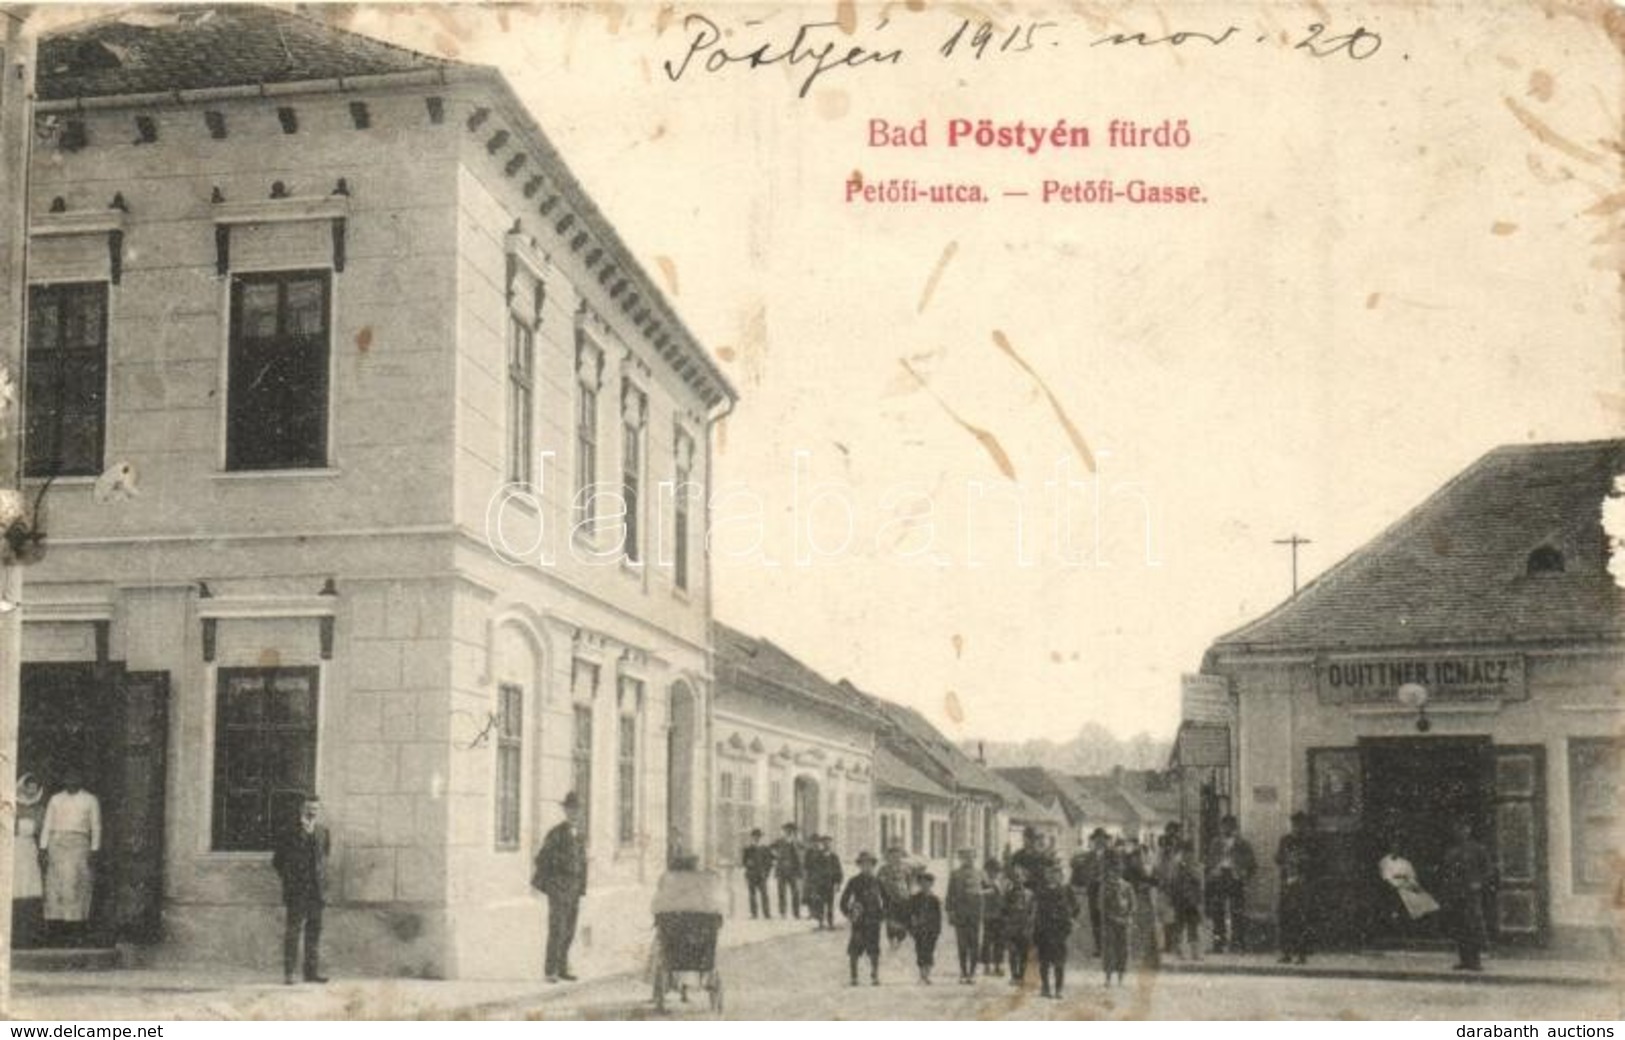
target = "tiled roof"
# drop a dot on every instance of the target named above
(1150, 793)
(1044, 784)
(1107, 803)
(753, 665)
(963, 770)
(1454, 569)
(892, 772)
(162, 48)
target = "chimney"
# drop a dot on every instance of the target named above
(981, 753)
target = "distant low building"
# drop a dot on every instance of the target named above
(911, 810)
(791, 747)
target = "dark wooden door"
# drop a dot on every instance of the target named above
(1518, 913)
(134, 842)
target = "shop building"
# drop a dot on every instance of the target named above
(1466, 664)
(413, 434)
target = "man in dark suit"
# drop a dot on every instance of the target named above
(300, 860)
(561, 874)
(758, 861)
(787, 854)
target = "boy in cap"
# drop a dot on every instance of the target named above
(897, 877)
(1018, 923)
(925, 924)
(994, 886)
(758, 862)
(965, 912)
(863, 902)
(1054, 907)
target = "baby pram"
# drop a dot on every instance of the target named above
(688, 916)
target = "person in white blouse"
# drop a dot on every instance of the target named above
(71, 832)
(1397, 871)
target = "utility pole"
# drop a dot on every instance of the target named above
(16, 132)
(1294, 542)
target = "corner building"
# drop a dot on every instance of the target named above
(329, 298)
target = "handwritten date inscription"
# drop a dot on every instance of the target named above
(813, 49)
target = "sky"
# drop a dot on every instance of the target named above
(1403, 262)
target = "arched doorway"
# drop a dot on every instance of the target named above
(806, 806)
(682, 734)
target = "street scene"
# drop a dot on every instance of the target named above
(438, 583)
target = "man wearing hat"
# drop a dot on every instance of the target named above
(561, 874)
(823, 869)
(300, 860)
(787, 868)
(1230, 866)
(1295, 858)
(863, 902)
(1088, 871)
(757, 859)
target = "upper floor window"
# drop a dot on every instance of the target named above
(589, 377)
(65, 399)
(634, 411)
(1545, 560)
(277, 380)
(684, 451)
(521, 397)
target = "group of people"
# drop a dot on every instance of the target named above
(1142, 901)
(998, 912)
(808, 873)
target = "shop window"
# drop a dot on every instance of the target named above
(277, 380)
(1545, 560)
(65, 402)
(264, 754)
(1595, 787)
(509, 747)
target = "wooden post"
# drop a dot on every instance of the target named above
(16, 131)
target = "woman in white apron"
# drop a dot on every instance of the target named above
(72, 831)
(27, 885)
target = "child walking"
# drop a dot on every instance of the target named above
(1186, 894)
(1054, 907)
(863, 901)
(925, 924)
(1116, 917)
(1018, 923)
(993, 890)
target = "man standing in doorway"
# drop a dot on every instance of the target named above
(1465, 877)
(1230, 866)
(561, 874)
(787, 866)
(300, 860)
(1295, 859)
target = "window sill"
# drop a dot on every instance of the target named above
(78, 480)
(314, 473)
(217, 856)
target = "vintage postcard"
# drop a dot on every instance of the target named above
(1029, 509)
